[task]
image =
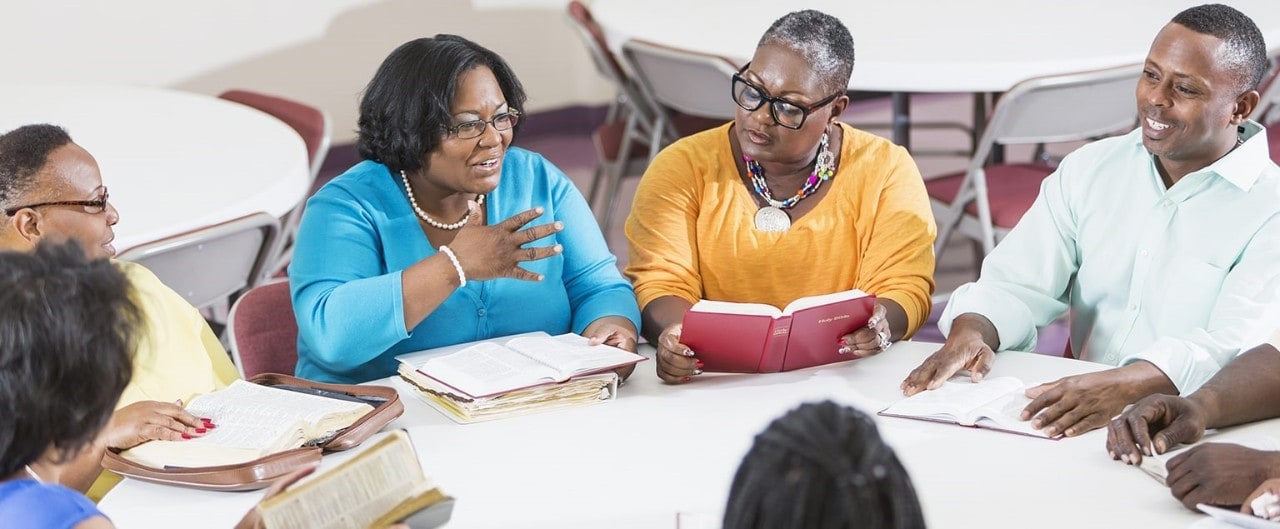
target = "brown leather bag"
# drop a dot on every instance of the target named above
(262, 472)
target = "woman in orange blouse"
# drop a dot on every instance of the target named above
(783, 202)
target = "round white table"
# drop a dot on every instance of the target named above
(174, 161)
(905, 46)
(659, 451)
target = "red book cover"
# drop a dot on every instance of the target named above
(758, 338)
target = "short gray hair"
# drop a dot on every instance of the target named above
(821, 39)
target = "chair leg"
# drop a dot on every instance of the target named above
(596, 175)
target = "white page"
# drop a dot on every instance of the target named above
(726, 307)
(1237, 518)
(1006, 413)
(486, 368)
(956, 400)
(1156, 465)
(569, 354)
(824, 299)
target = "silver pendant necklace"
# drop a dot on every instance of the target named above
(433, 222)
(773, 216)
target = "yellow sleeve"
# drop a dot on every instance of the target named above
(661, 229)
(898, 262)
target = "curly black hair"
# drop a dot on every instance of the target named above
(1246, 51)
(406, 107)
(23, 152)
(67, 329)
(824, 466)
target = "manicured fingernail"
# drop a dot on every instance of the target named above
(685, 379)
(559, 225)
(538, 210)
(201, 430)
(557, 248)
(185, 436)
(699, 364)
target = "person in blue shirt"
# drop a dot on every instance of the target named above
(446, 233)
(1161, 244)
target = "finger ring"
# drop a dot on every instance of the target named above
(884, 340)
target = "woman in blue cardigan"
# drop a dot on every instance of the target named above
(446, 234)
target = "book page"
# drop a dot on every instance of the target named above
(252, 421)
(824, 299)
(1005, 413)
(353, 494)
(728, 307)
(1237, 518)
(487, 368)
(570, 355)
(955, 401)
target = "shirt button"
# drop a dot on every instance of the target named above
(480, 313)
(1133, 307)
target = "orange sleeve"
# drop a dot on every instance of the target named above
(661, 228)
(898, 260)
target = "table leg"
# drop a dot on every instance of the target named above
(902, 119)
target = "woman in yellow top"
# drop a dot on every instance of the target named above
(51, 190)
(783, 202)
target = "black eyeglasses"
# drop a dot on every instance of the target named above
(92, 207)
(474, 128)
(786, 113)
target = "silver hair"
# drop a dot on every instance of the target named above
(820, 38)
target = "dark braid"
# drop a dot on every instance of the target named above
(822, 466)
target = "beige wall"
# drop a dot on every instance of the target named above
(321, 52)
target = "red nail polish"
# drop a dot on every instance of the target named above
(210, 425)
(699, 364)
(206, 420)
(185, 436)
(685, 379)
(200, 430)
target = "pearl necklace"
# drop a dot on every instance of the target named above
(433, 222)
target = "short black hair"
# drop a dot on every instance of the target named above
(1246, 49)
(66, 340)
(821, 39)
(822, 465)
(23, 152)
(405, 108)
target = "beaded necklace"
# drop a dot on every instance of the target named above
(433, 222)
(772, 217)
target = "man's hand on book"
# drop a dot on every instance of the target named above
(615, 331)
(676, 362)
(1154, 425)
(966, 349)
(488, 252)
(150, 420)
(871, 339)
(1220, 473)
(1074, 405)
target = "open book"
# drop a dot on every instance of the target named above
(381, 485)
(252, 421)
(1238, 518)
(995, 404)
(758, 338)
(487, 369)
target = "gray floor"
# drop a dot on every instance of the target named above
(574, 153)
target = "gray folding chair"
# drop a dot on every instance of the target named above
(985, 201)
(688, 82)
(213, 265)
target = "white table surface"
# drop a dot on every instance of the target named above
(173, 161)
(928, 45)
(660, 450)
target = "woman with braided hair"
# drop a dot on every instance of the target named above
(822, 465)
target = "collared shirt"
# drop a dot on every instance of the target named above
(1185, 277)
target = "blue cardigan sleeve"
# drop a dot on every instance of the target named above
(348, 306)
(594, 284)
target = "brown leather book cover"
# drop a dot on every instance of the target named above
(262, 472)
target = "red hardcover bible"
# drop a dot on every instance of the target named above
(758, 338)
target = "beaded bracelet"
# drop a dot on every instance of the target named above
(462, 277)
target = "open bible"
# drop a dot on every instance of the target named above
(994, 404)
(381, 485)
(252, 421)
(759, 338)
(495, 379)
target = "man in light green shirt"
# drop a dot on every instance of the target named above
(1162, 244)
